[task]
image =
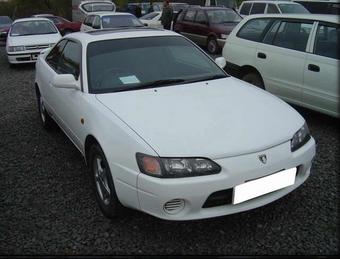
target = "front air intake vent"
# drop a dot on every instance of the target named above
(174, 206)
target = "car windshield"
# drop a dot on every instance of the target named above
(32, 28)
(5, 21)
(139, 63)
(149, 16)
(114, 21)
(219, 16)
(292, 8)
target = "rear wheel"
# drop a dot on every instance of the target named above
(253, 78)
(212, 45)
(103, 183)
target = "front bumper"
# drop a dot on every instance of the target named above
(153, 192)
(23, 57)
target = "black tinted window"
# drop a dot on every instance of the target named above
(258, 8)
(201, 18)
(271, 32)
(54, 56)
(253, 29)
(245, 9)
(293, 35)
(327, 41)
(189, 16)
(70, 61)
(272, 9)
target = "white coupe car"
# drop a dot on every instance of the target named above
(28, 37)
(165, 130)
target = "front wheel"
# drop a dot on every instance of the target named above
(46, 121)
(253, 78)
(103, 183)
(212, 46)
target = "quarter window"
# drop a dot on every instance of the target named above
(258, 8)
(327, 40)
(293, 35)
(245, 9)
(253, 29)
(189, 16)
(70, 61)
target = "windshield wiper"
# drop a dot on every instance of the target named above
(206, 78)
(152, 84)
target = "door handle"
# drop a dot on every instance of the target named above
(261, 55)
(313, 68)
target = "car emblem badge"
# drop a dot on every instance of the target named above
(263, 158)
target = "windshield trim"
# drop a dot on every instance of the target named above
(92, 91)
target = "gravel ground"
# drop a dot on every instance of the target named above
(47, 205)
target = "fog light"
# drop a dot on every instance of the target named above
(174, 206)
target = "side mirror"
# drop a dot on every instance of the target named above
(65, 81)
(221, 62)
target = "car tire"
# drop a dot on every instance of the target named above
(253, 78)
(212, 46)
(46, 120)
(103, 183)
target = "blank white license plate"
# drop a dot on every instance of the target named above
(261, 186)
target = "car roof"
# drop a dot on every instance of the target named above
(206, 7)
(109, 13)
(118, 33)
(314, 17)
(270, 2)
(31, 19)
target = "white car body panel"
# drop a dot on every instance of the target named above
(214, 119)
(285, 71)
(154, 22)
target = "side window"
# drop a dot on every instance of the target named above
(271, 8)
(70, 60)
(245, 9)
(327, 41)
(268, 39)
(253, 29)
(201, 18)
(54, 56)
(293, 35)
(90, 20)
(189, 16)
(96, 22)
(258, 8)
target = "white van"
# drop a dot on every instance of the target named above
(263, 7)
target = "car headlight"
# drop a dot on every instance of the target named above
(176, 167)
(300, 138)
(224, 36)
(16, 48)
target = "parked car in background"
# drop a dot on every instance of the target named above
(295, 57)
(207, 26)
(80, 9)
(321, 6)
(5, 23)
(106, 20)
(28, 37)
(164, 130)
(64, 26)
(153, 20)
(263, 7)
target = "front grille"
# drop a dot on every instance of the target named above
(219, 198)
(24, 59)
(33, 47)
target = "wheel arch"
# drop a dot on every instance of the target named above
(89, 141)
(247, 69)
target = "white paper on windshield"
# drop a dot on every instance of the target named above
(129, 80)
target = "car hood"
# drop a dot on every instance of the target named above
(33, 39)
(215, 119)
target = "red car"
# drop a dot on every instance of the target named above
(5, 23)
(207, 26)
(63, 25)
